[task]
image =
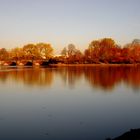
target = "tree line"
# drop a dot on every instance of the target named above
(31, 52)
(99, 51)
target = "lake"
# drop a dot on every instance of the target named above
(68, 103)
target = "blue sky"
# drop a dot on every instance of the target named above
(61, 22)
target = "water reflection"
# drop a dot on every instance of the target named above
(63, 113)
(28, 76)
(108, 77)
(102, 77)
(71, 75)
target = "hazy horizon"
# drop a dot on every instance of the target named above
(67, 21)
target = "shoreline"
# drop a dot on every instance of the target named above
(72, 65)
(92, 65)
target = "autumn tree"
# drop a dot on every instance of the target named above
(71, 50)
(135, 50)
(93, 51)
(31, 52)
(4, 55)
(74, 55)
(16, 54)
(100, 50)
(105, 49)
(45, 50)
(115, 55)
(79, 56)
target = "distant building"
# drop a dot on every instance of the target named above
(57, 55)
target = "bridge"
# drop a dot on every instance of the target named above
(26, 63)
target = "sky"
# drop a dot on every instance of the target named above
(61, 22)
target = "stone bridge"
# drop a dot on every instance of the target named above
(25, 63)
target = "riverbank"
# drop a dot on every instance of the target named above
(72, 65)
(91, 65)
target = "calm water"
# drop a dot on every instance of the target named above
(68, 103)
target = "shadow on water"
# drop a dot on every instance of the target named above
(133, 134)
(102, 77)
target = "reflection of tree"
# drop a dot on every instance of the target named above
(3, 76)
(132, 76)
(105, 77)
(70, 75)
(30, 77)
(74, 74)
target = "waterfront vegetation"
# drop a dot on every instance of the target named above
(102, 51)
